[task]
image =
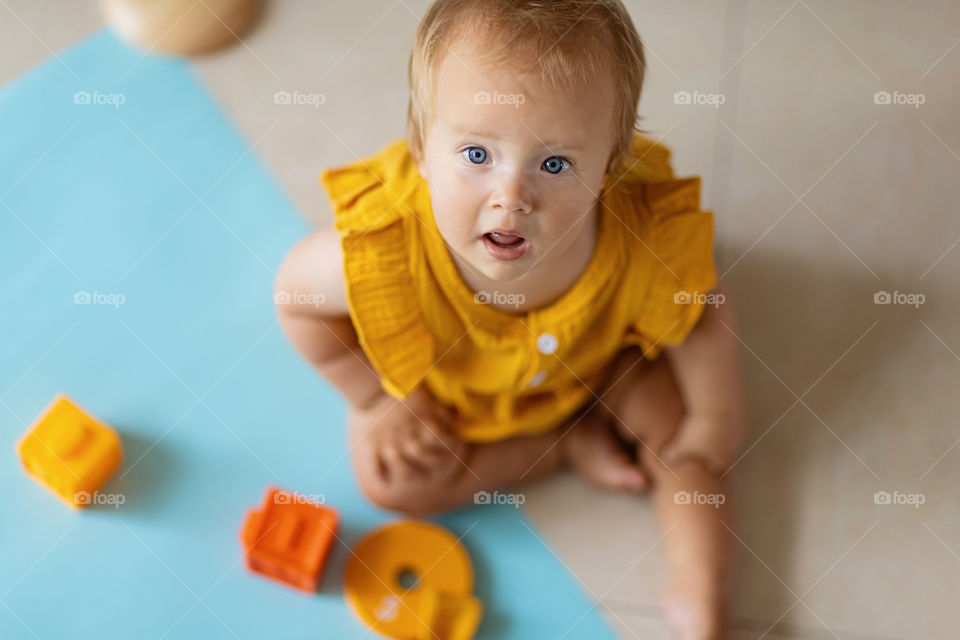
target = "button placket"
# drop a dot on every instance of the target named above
(546, 344)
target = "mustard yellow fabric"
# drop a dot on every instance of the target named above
(509, 373)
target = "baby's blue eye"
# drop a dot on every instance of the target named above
(555, 164)
(476, 155)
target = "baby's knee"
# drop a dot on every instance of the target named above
(416, 498)
(413, 496)
(652, 409)
(693, 471)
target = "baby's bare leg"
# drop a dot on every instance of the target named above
(696, 512)
(694, 507)
(486, 467)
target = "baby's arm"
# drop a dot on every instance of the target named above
(311, 305)
(323, 334)
(707, 370)
(312, 309)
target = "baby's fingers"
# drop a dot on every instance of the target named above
(442, 442)
(446, 416)
(414, 449)
(399, 467)
(437, 430)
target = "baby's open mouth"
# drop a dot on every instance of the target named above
(505, 240)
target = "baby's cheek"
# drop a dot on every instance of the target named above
(572, 218)
(454, 222)
(456, 205)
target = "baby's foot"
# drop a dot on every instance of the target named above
(596, 453)
(696, 612)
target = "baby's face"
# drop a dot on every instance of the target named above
(505, 152)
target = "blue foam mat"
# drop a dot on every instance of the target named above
(159, 214)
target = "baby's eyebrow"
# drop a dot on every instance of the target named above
(559, 146)
(546, 144)
(467, 131)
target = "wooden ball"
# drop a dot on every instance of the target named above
(181, 26)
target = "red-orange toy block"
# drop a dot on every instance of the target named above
(289, 538)
(70, 452)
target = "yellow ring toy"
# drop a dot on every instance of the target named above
(439, 605)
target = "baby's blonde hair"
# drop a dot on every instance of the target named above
(571, 42)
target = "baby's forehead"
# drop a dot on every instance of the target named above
(480, 54)
(516, 80)
(470, 94)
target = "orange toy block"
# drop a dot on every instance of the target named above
(289, 538)
(70, 452)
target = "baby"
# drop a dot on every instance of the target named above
(497, 288)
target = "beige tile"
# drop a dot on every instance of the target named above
(890, 201)
(612, 542)
(32, 32)
(644, 623)
(880, 407)
(683, 42)
(877, 411)
(636, 627)
(898, 578)
(608, 540)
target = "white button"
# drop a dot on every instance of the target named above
(537, 379)
(546, 343)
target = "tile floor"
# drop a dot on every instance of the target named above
(823, 198)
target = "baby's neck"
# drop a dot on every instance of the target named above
(547, 281)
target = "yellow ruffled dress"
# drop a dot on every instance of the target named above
(509, 373)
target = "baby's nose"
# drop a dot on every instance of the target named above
(512, 195)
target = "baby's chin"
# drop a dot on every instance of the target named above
(506, 271)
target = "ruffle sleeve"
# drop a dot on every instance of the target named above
(371, 200)
(649, 161)
(679, 269)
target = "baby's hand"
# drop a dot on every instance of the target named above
(713, 439)
(412, 438)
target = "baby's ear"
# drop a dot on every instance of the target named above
(415, 148)
(416, 153)
(612, 170)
